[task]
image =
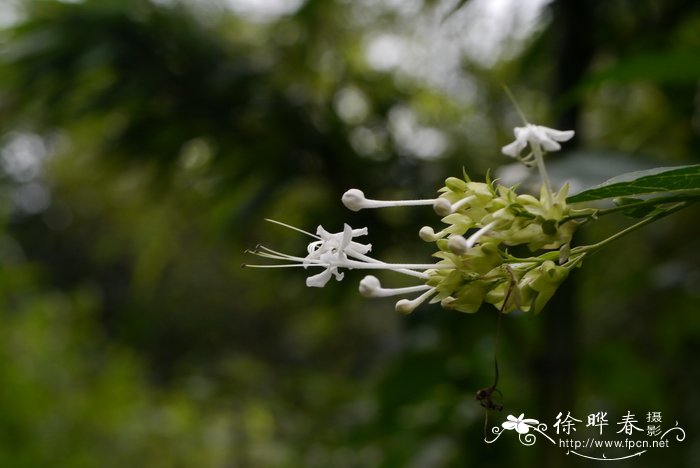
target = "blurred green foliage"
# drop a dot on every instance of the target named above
(144, 142)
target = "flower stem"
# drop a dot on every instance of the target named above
(539, 158)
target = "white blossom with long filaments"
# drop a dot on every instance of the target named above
(333, 251)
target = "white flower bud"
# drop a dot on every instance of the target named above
(457, 245)
(369, 286)
(442, 206)
(354, 199)
(405, 306)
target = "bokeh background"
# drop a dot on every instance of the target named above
(143, 142)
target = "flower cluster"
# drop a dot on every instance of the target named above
(483, 220)
(482, 269)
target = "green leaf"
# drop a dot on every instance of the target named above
(657, 180)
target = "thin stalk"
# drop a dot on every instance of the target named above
(515, 104)
(539, 158)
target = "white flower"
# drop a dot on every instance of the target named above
(333, 250)
(521, 425)
(536, 136)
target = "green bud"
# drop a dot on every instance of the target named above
(456, 185)
(527, 200)
(468, 298)
(546, 283)
(442, 245)
(481, 190)
(497, 296)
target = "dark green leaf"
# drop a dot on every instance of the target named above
(657, 180)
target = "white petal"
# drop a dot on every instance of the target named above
(322, 233)
(359, 232)
(559, 135)
(355, 249)
(521, 133)
(550, 145)
(319, 280)
(347, 237)
(513, 149)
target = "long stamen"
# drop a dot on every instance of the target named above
(353, 264)
(291, 227)
(369, 263)
(371, 287)
(269, 253)
(355, 200)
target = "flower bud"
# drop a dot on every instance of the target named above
(442, 206)
(456, 185)
(480, 189)
(354, 199)
(405, 306)
(468, 298)
(526, 199)
(369, 285)
(457, 245)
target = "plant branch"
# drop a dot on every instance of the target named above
(634, 227)
(650, 202)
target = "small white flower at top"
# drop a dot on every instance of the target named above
(538, 137)
(520, 424)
